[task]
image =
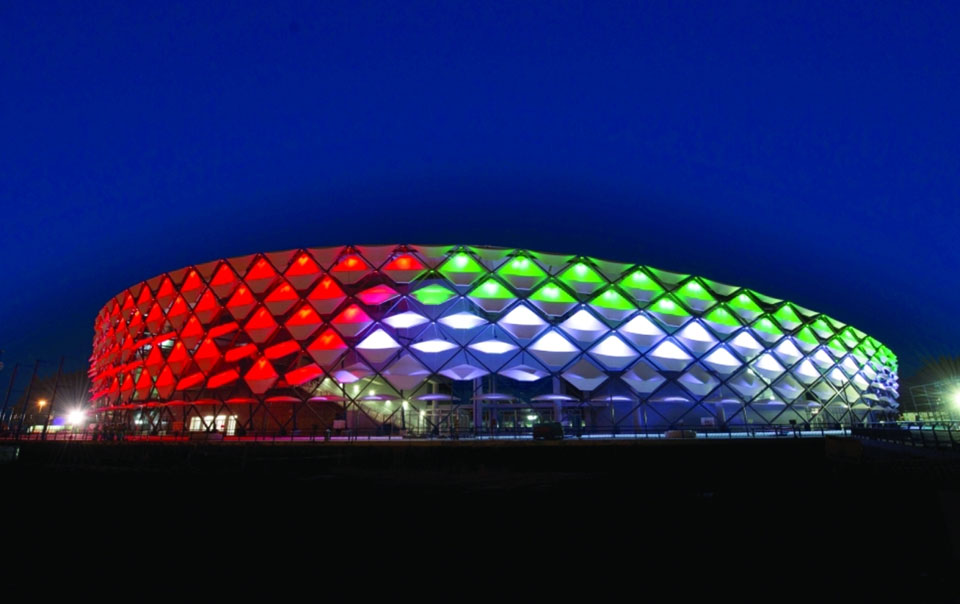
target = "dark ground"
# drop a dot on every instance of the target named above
(778, 512)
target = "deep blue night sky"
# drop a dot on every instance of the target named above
(810, 151)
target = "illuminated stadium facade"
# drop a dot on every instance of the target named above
(432, 339)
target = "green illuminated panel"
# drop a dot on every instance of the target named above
(522, 272)
(694, 290)
(551, 292)
(848, 337)
(491, 289)
(580, 273)
(612, 299)
(722, 316)
(743, 305)
(806, 335)
(696, 296)
(836, 346)
(433, 295)
(668, 306)
(459, 264)
(521, 266)
(639, 285)
(766, 325)
(787, 317)
(766, 329)
(582, 278)
(823, 330)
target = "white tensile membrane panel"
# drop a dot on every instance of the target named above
(460, 321)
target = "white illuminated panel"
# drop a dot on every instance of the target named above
(669, 356)
(583, 327)
(768, 366)
(822, 359)
(406, 320)
(614, 352)
(788, 352)
(493, 347)
(642, 332)
(433, 346)
(553, 349)
(378, 346)
(522, 322)
(806, 372)
(836, 377)
(746, 345)
(463, 320)
(722, 361)
(696, 337)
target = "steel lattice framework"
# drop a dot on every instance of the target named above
(390, 332)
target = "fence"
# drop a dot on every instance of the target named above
(932, 435)
(555, 432)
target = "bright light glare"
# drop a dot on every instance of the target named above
(75, 417)
(956, 398)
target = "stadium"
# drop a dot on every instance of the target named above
(426, 340)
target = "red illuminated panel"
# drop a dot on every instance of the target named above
(136, 324)
(113, 391)
(190, 381)
(179, 358)
(165, 383)
(155, 319)
(303, 272)
(278, 351)
(326, 296)
(260, 326)
(207, 308)
(144, 384)
(351, 321)
(327, 348)
(261, 376)
(303, 323)
(191, 332)
(192, 286)
(178, 312)
(260, 276)
(127, 389)
(224, 281)
(154, 360)
(241, 303)
(404, 262)
(128, 307)
(166, 293)
(350, 269)
(303, 375)
(207, 355)
(145, 300)
(223, 378)
(240, 352)
(127, 350)
(281, 299)
(222, 330)
(350, 263)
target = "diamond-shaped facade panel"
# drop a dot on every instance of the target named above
(405, 321)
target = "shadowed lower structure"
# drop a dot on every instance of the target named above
(428, 338)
